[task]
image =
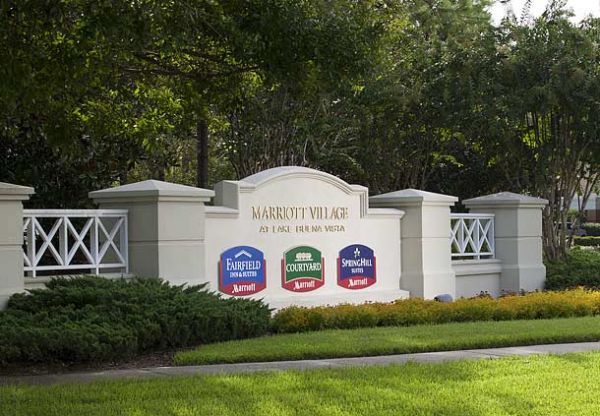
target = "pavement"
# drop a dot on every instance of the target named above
(427, 357)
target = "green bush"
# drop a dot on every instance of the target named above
(592, 229)
(582, 268)
(92, 318)
(587, 241)
(538, 305)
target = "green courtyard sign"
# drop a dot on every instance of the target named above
(302, 269)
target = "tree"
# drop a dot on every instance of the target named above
(210, 48)
(405, 118)
(71, 119)
(548, 81)
(138, 76)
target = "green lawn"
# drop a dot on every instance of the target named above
(395, 340)
(540, 386)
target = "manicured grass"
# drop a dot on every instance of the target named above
(540, 386)
(395, 340)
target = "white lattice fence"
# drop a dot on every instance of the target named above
(472, 236)
(58, 241)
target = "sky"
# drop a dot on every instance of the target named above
(582, 8)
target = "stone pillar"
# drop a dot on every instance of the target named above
(425, 241)
(518, 242)
(165, 228)
(12, 278)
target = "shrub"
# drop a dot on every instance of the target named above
(591, 229)
(582, 268)
(92, 318)
(587, 241)
(538, 305)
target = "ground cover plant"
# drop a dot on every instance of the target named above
(93, 318)
(537, 385)
(394, 340)
(582, 268)
(537, 305)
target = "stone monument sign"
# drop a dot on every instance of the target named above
(297, 235)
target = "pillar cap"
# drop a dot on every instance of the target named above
(152, 190)
(506, 199)
(411, 197)
(11, 192)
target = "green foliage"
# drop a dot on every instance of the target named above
(545, 130)
(541, 305)
(405, 120)
(61, 178)
(128, 83)
(581, 268)
(587, 241)
(94, 319)
(592, 229)
(391, 95)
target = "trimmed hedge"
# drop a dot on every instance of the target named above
(582, 268)
(537, 305)
(98, 319)
(591, 229)
(587, 241)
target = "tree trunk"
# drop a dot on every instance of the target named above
(202, 153)
(160, 172)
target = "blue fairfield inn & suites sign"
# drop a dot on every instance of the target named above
(356, 267)
(242, 271)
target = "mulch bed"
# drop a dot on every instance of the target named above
(157, 359)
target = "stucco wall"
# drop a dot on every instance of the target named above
(476, 276)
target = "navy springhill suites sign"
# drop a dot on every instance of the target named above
(356, 267)
(242, 271)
